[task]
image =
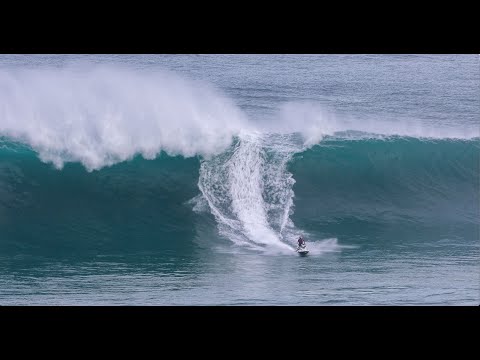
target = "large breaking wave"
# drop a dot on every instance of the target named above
(263, 183)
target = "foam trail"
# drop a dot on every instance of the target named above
(325, 246)
(103, 115)
(249, 193)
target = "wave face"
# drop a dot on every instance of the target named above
(397, 188)
(131, 206)
(261, 192)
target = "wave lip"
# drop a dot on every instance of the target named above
(315, 122)
(104, 115)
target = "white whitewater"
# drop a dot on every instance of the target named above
(249, 191)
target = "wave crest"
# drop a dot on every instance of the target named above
(103, 115)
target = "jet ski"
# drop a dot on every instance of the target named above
(302, 250)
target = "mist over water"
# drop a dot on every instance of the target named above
(103, 115)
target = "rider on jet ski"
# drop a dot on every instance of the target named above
(301, 242)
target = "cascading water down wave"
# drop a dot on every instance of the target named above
(249, 190)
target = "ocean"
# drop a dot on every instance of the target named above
(187, 179)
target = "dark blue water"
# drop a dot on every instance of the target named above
(186, 179)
